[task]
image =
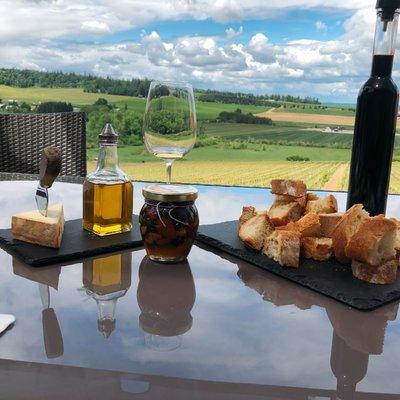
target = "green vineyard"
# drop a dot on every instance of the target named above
(317, 175)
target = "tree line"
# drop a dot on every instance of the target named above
(272, 100)
(135, 87)
(89, 83)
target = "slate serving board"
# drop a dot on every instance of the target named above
(76, 244)
(328, 277)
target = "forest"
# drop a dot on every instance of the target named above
(134, 87)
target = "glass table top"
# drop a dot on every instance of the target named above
(121, 326)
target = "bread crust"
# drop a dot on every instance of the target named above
(328, 223)
(308, 225)
(283, 247)
(325, 205)
(317, 248)
(288, 187)
(383, 274)
(374, 241)
(283, 213)
(284, 198)
(344, 230)
(247, 213)
(254, 231)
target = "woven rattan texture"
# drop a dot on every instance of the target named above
(23, 136)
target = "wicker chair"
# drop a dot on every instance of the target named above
(23, 136)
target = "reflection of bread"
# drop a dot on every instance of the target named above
(282, 213)
(374, 241)
(247, 213)
(345, 229)
(307, 226)
(288, 187)
(381, 274)
(325, 205)
(319, 249)
(254, 231)
(284, 198)
(328, 223)
(283, 247)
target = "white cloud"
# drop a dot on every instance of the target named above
(32, 35)
(231, 33)
(96, 27)
(321, 26)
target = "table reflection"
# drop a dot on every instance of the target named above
(356, 334)
(46, 277)
(166, 294)
(106, 279)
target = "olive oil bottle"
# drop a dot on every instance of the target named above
(107, 192)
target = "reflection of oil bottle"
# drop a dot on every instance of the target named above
(107, 279)
(166, 295)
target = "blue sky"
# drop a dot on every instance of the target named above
(318, 48)
(292, 26)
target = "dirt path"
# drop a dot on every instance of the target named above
(307, 118)
(336, 178)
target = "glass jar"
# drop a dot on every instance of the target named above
(169, 221)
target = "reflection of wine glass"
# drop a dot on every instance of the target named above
(169, 125)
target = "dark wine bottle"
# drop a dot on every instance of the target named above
(376, 116)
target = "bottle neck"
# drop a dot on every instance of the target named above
(108, 157)
(384, 44)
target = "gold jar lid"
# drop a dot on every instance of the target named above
(170, 193)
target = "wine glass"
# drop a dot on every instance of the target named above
(170, 124)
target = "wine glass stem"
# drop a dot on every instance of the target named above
(168, 165)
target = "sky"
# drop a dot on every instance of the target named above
(319, 48)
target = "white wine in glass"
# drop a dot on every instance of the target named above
(170, 123)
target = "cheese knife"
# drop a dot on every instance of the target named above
(50, 166)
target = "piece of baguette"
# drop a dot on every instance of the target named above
(254, 231)
(383, 274)
(311, 196)
(345, 229)
(308, 225)
(328, 223)
(326, 205)
(374, 241)
(284, 198)
(288, 187)
(282, 213)
(247, 213)
(397, 222)
(283, 247)
(317, 248)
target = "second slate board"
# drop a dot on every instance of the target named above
(328, 277)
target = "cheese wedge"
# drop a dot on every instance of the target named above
(33, 227)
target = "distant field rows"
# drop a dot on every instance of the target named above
(307, 118)
(315, 174)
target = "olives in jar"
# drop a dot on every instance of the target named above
(169, 221)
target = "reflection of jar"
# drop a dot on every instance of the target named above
(169, 221)
(166, 295)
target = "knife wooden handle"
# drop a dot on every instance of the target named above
(50, 166)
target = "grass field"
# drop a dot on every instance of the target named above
(139, 154)
(77, 97)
